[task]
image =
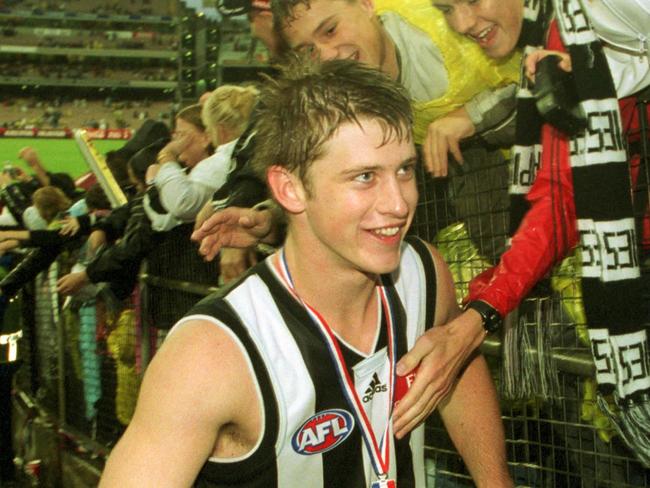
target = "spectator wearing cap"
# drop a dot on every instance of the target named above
(117, 160)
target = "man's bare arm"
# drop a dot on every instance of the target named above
(466, 396)
(197, 383)
(472, 416)
(30, 156)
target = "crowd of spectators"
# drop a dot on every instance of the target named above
(139, 7)
(101, 250)
(20, 32)
(93, 36)
(109, 113)
(77, 72)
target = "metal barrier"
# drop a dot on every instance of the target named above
(549, 443)
(555, 435)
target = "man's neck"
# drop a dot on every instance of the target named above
(390, 56)
(346, 298)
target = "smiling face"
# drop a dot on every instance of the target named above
(494, 24)
(340, 29)
(358, 200)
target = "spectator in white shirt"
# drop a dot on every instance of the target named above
(224, 117)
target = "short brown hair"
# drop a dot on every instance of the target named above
(283, 12)
(301, 110)
(192, 115)
(50, 201)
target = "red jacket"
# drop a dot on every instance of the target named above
(548, 231)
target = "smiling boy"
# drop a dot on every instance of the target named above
(450, 82)
(499, 27)
(287, 379)
(607, 45)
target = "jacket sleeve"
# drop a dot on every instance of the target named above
(114, 224)
(39, 238)
(180, 196)
(184, 195)
(547, 232)
(36, 261)
(492, 112)
(125, 256)
(545, 235)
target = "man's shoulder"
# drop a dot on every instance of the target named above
(421, 268)
(417, 248)
(227, 304)
(193, 351)
(401, 30)
(208, 372)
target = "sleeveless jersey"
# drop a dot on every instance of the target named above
(309, 434)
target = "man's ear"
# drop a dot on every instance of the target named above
(287, 189)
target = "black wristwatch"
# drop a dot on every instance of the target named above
(492, 319)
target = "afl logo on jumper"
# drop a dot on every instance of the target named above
(323, 432)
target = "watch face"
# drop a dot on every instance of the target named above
(492, 323)
(491, 318)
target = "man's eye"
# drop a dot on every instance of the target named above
(364, 177)
(407, 170)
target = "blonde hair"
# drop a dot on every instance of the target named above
(230, 106)
(49, 201)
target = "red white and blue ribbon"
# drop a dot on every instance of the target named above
(379, 452)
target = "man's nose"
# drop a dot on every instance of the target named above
(393, 199)
(327, 52)
(463, 19)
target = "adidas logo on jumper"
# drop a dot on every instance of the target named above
(375, 386)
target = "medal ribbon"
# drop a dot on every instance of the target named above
(379, 452)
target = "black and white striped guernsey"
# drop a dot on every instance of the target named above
(310, 438)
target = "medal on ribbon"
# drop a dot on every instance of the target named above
(379, 452)
(383, 483)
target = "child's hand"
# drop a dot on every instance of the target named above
(536, 56)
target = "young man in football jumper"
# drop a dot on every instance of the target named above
(288, 377)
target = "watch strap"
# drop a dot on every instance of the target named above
(492, 319)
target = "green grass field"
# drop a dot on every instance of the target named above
(57, 155)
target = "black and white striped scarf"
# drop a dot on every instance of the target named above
(611, 285)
